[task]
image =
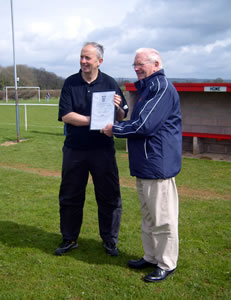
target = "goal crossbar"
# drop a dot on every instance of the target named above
(22, 87)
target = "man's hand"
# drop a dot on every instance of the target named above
(107, 130)
(119, 111)
(117, 100)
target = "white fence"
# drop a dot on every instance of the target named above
(25, 108)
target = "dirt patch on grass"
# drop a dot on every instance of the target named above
(205, 156)
(209, 156)
(201, 194)
(10, 143)
(128, 182)
(124, 155)
(38, 171)
(124, 182)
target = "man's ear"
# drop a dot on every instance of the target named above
(100, 61)
(157, 64)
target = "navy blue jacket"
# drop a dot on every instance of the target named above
(154, 130)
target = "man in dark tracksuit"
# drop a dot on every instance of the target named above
(155, 144)
(87, 151)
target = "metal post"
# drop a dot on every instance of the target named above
(6, 95)
(15, 75)
(39, 93)
(25, 114)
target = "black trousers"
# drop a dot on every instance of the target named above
(101, 164)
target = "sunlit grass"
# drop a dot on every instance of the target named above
(29, 226)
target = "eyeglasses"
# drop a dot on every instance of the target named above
(139, 65)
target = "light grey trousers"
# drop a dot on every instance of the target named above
(159, 206)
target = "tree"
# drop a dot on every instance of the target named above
(30, 77)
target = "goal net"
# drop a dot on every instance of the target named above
(32, 91)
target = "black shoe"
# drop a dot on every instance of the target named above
(111, 249)
(157, 275)
(140, 264)
(65, 247)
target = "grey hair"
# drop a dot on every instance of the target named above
(99, 48)
(153, 55)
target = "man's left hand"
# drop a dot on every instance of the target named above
(107, 130)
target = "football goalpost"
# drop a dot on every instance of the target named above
(22, 87)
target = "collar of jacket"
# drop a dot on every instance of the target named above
(143, 83)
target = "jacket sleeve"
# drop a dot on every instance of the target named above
(152, 115)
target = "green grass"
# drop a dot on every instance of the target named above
(29, 225)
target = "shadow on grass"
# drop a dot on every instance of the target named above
(91, 251)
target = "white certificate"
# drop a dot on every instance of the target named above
(102, 110)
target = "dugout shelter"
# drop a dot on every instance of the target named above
(206, 115)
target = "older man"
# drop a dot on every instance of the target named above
(88, 151)
(154, 144)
